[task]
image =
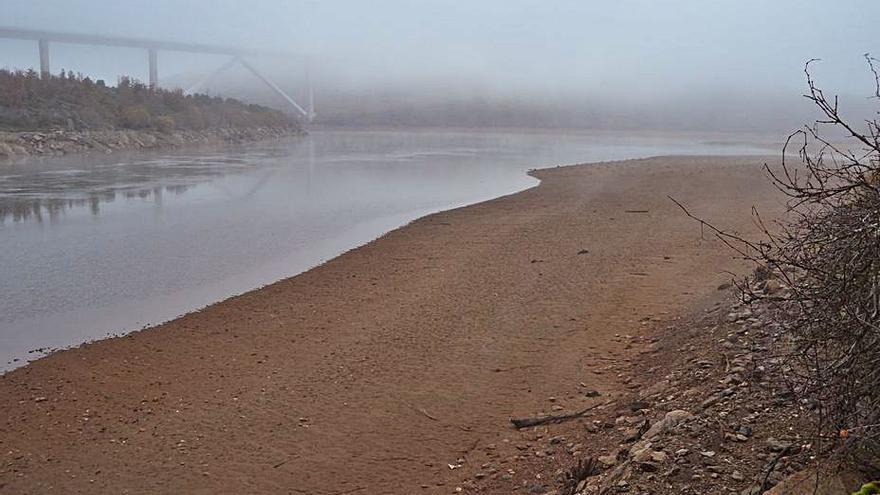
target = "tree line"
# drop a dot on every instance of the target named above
(75, 102)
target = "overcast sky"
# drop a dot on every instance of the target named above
(635, 48)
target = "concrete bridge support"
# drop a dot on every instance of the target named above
(44, 58)
(153, 55)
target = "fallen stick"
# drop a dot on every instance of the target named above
(540, 420)
(427, 415)
(422, 411)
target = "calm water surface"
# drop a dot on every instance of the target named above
(93, 246)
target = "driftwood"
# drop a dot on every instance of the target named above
(558, 418)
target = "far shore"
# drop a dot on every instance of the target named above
(393, 368)
(16, 145)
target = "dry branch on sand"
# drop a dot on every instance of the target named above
(557, 418)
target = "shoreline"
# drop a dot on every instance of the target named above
(21, 145)
(322, 337)
(145, 323)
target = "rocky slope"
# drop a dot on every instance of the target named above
(709, 412)
(14, 145)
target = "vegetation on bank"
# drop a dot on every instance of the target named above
(74, 102)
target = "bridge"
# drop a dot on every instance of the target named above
(238, 56)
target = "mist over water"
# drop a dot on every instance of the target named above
(635, 64)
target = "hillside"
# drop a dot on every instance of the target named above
(73, 102)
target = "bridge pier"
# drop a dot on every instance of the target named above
(152, 46)
(153, 55)
(44, 58)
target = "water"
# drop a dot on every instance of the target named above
(92, 246)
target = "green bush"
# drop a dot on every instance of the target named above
(871, 488)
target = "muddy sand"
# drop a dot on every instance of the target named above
(376, 371)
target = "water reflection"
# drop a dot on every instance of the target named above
(40, 209)
(35, 190)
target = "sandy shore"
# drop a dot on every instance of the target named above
(376, 371)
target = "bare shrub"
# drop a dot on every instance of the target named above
(31, 102)
(164, 123)
(826, 252)
(135, 117)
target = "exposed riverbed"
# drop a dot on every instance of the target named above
(95, 245)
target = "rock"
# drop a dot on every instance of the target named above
(639, 405)
(643, 455)
(772, 286)
(711, 401)
(777, 445)
(607, 460)
(708, 453)
(737, 476)
(654, 389)
(671, 420)
(632, 434)
(630, 420)
(829, 483)
(537, 489)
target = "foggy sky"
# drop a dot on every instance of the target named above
(634, 51)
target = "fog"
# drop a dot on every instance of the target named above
(725, 65)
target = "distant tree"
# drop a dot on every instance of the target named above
(29, 102)
(165, 123)
(135, 117)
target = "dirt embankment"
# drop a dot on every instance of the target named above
(395, 367)
(709, 410)
(15, 145)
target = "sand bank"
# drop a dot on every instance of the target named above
(376, 371)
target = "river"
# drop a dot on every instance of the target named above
(95, 246)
